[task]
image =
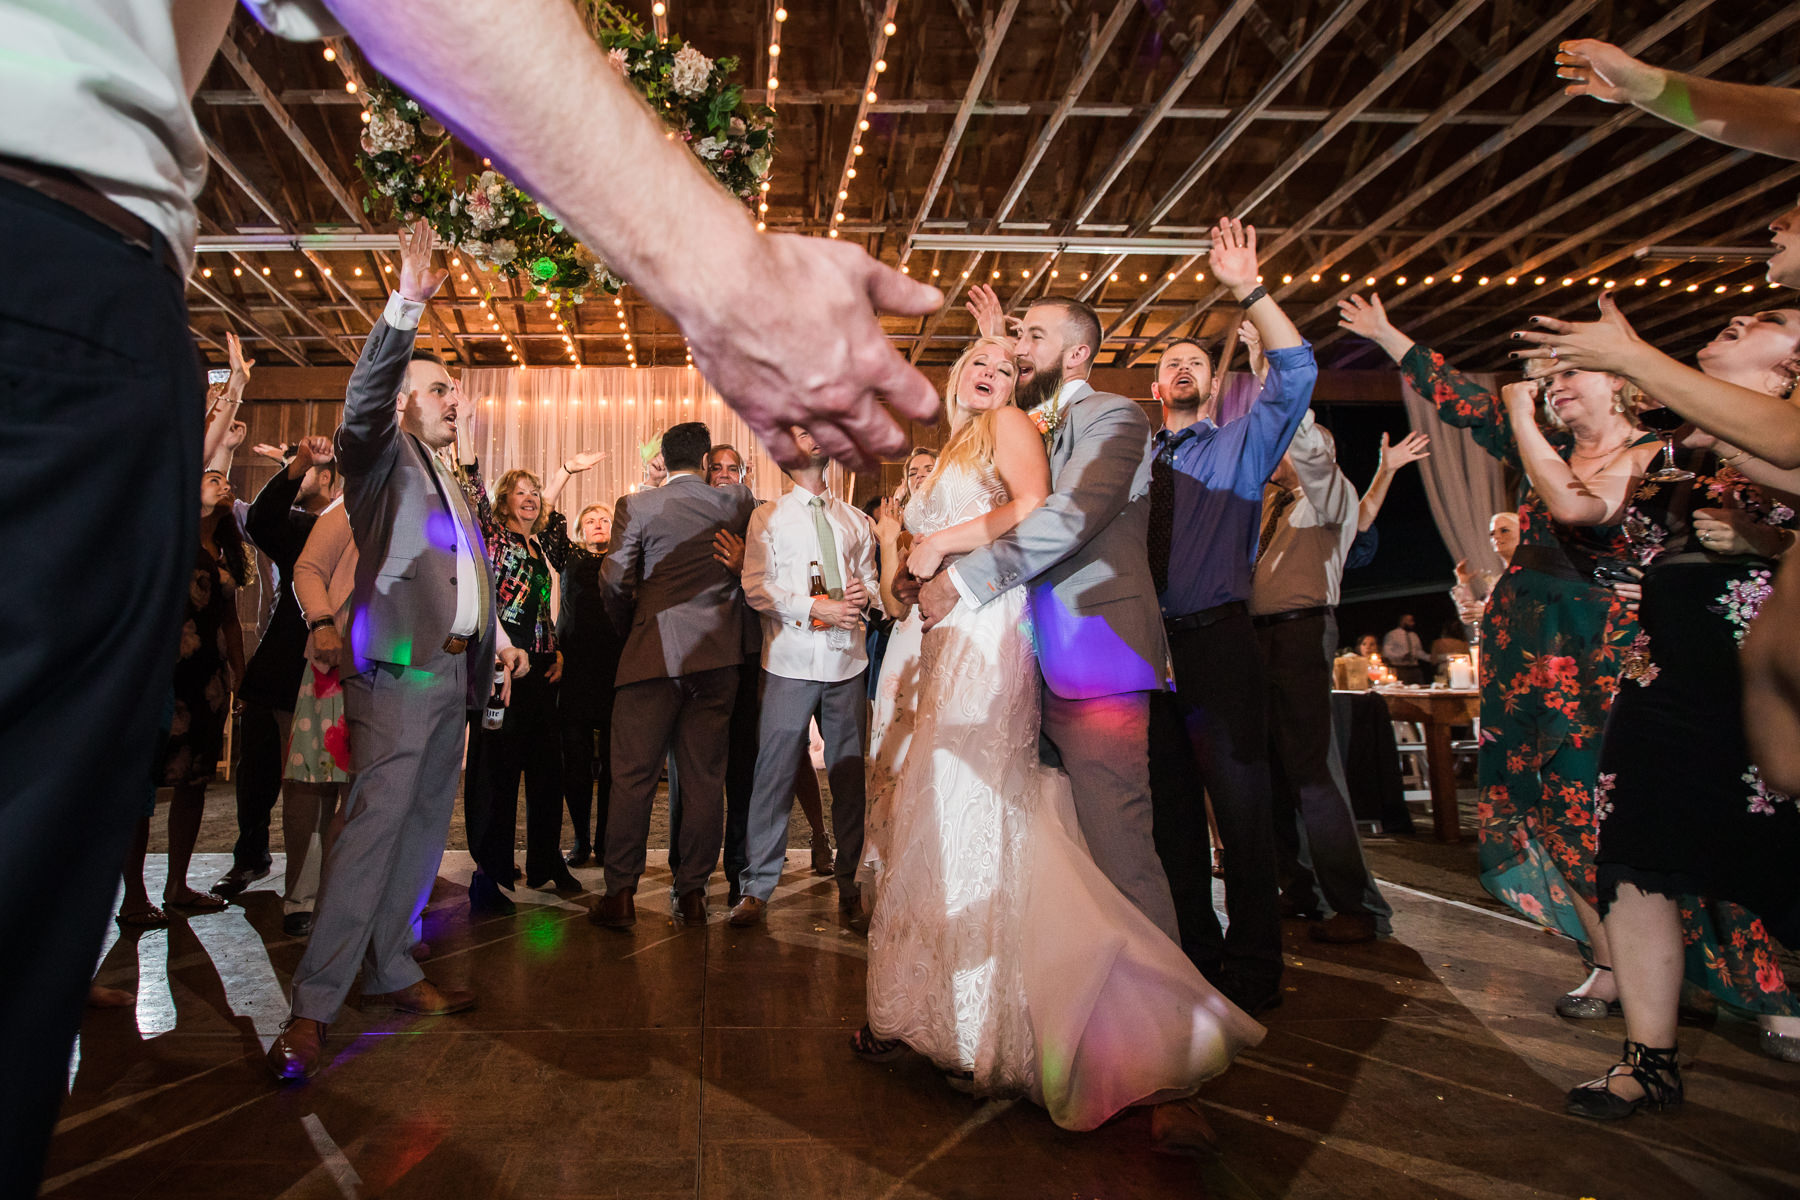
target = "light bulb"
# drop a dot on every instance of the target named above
(862, 126)
(774, 49)
(774, 83)
(880, 65)
(857, 150)
(206, 271)
(330, 54)
(871, 96)
(350, 86)
(659, 8)
(780, 14)
(1399, 281)
(888, 29)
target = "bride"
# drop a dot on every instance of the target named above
(997, 948)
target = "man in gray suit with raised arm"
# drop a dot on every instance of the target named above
(1099, 635)
(423, 638)
(681, 614)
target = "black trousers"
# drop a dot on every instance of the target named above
(1209, 738)
(101, 402)
(587, 764)
(259, 771)
(529, 747)
(1319, 852)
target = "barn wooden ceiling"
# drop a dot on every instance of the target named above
(1422, 143)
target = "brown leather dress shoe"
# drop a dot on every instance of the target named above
(299, 1052)
(616, 910)
(423, 999)
(749, 911)
(690, 909)
(1343, 929)
(1179, 1127)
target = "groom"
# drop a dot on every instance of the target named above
(1099, 633)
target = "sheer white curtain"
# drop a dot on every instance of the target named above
(1464, 484)
(542, 417)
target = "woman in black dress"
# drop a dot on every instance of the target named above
(207, 671)
(590, 649)
(1681, 808)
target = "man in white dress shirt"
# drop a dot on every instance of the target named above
(814, 663)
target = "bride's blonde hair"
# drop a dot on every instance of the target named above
(972, 433)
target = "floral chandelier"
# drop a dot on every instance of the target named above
(406, 163)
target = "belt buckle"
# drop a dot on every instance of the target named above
(455, 645)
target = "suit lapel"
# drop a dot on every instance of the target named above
(1062, 443)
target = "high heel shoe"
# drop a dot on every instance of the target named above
(1587, 1008)
(1656, 1071)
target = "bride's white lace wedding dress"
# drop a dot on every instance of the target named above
(997, 947)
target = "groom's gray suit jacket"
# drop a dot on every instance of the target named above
(1085, 554)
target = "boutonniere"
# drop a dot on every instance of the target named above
(1048, 418)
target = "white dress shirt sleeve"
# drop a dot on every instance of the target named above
(402, 313)
(962, 589)
(766, 577)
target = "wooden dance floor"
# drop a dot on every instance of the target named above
(669, 1062)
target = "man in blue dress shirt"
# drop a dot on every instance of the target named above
(1208, 737)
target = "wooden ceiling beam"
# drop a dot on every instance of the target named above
(1084, 74)
(990, 51)
(1558, 161)
(234, 54)
(280, 344)
(1542, 35)
(1390, 74)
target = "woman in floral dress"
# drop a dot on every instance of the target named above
(1682, 810)
(1548, 662)
(1553, 644)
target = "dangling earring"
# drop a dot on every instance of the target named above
(1618, 405)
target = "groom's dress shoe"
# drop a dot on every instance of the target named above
(616, 910)
(486, 899)
(298, 1053)
(1179, 1127)
(423, 999)
(239, 878)
(749, 911)
(690, 908)
(1344, 929)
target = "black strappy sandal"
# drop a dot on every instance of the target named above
(866, 1046)
(1656, 1071)
(1588, 1008)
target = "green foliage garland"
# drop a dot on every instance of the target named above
(405, 161)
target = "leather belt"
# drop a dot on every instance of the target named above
(71, 191)
(455, 645)
(1206, 616)
(1292, 614)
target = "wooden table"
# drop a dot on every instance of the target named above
(1437, 709)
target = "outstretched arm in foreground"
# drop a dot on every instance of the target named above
(786, 328)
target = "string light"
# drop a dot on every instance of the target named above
(1664, 282)
(206, 272)
(1457, 278)
(1315, 277)
(1429, 280)
(330, 54)
(1344, 278)
(1482, 282)
(877, 65)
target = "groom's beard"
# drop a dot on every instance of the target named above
(1041, 387)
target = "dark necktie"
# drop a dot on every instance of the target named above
(1162, 514)
(1274, 506)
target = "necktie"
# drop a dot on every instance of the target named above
(1274, 507)
(828, 557)
(1162, 515)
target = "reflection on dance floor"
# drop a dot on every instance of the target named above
(666, 1061)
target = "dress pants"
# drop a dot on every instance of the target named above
(784, 732)
(406, 733)
(1209, 738)
(740, 778)
(101, 400)
(1317, 847)
(587, 766)
(262, 757)
(689, 715)
(528, 747)
(1102, 744)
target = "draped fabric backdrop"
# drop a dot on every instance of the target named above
(1464, 484)
(542, 417)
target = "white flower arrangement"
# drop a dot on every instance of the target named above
(690, 72)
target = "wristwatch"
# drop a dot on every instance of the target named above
(312, 626)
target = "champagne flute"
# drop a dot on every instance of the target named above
(1664, 422)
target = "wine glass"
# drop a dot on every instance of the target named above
(1665, 421)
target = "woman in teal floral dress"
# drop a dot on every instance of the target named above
(1554, 641)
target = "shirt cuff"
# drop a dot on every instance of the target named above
(402, 313)
(962, 589)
